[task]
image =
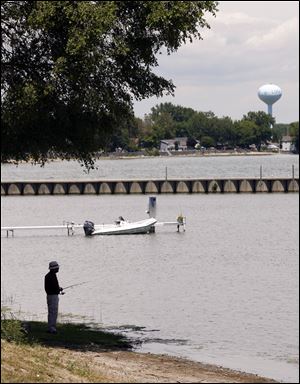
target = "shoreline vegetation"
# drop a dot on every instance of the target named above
(79, 353)
(150, 154)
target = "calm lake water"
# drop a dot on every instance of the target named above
(225, 291)
(143, 168)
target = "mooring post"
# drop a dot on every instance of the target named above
(166, 173)
(260, 172)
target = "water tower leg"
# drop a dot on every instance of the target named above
(270, 112)
(270, 109)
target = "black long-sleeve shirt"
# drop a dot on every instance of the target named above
(51, 284)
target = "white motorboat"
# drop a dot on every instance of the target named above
(120, 227)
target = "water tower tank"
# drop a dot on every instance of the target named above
(269, 94)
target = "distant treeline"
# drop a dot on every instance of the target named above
(168, 121)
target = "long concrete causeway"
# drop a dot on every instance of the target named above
(155, 186)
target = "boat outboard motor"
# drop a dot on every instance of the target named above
(152, 207)
(88, 227)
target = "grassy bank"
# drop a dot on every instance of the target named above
(34, 364)
(79, 354)
(30, 354)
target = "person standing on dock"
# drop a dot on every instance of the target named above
(52, 289)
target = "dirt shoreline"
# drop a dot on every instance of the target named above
(37, 363)
(141, 367)
(132, 367)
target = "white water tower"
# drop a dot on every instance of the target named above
(269, 94)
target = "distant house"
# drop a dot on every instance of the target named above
(179, 143)
(286, 144)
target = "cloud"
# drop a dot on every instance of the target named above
(278, 38)
(247, 46)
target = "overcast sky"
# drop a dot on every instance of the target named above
(250, 43)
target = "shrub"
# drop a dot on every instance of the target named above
(11, 329)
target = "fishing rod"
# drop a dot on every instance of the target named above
(75, 285)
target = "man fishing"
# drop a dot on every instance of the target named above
(52, 289)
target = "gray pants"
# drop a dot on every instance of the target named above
(52, 302)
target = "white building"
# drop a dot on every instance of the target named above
(170, 145)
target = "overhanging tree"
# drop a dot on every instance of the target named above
(71, 69)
